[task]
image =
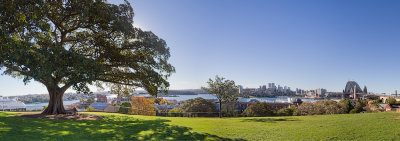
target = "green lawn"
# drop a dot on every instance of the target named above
(374, 126)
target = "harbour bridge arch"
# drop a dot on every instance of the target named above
(350, 86)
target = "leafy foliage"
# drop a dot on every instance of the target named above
(69, 43)
(346, 105)
(320, 108)
(391, 100)
(359, 107)
(259, 109)
(125, 108)
(175, 112)
(89, 109)
(225, 90)
(161, 101)
(88, 100)
(44, 107)
(286, 112)
(142, 106)
(230, 109)
(378, 101)
(198, 105)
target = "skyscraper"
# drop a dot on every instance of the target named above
(240, 89)
(271, 85)
(320, 92)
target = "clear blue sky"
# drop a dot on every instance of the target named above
(301, 44)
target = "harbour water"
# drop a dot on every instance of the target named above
(39, 106)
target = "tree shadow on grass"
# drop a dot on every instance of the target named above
(268, 120)
(109, 128)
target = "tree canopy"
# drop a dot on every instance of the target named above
(225, 90)
(74, 43)
(198, 105)
(142, 106)
(259, 109)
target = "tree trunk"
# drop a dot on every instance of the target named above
(220, 109)
(56, 105)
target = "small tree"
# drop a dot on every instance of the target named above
(125, 108)
(198, 105)
(259, 109)
(346, 105)
(359, 107)
(89, 109)
(142, 106)
(225, 90)
(378, 101)
(391, 100)
(161, 101)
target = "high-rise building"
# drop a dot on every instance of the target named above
(264, 87)
(365, 90)
(271, 86)
(240, 89)
(280, 89)
(320, 92)
(299, 91)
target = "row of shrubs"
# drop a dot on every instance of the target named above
(324, 107)
(202, 107)
(261, 109)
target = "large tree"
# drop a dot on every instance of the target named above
(76, 43)
(225, 90)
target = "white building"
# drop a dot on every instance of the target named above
(11, 105)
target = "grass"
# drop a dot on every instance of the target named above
(372, 126)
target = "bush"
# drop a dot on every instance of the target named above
(161, 101)
(125, 108)
(44, 107)
(230, 110)
(346, 105)
(391, 100)
(304, 109)
(258, 109)
(89, 109)
(142, 106)
(320, 108)
(378, 101)
(286, 112)
(176, 112)
(359, 107)
(198, 105)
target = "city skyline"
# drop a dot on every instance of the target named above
(307, 45)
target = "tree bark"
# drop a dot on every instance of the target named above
(220, 109)
(56, 105)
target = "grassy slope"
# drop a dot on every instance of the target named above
(375, 126)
